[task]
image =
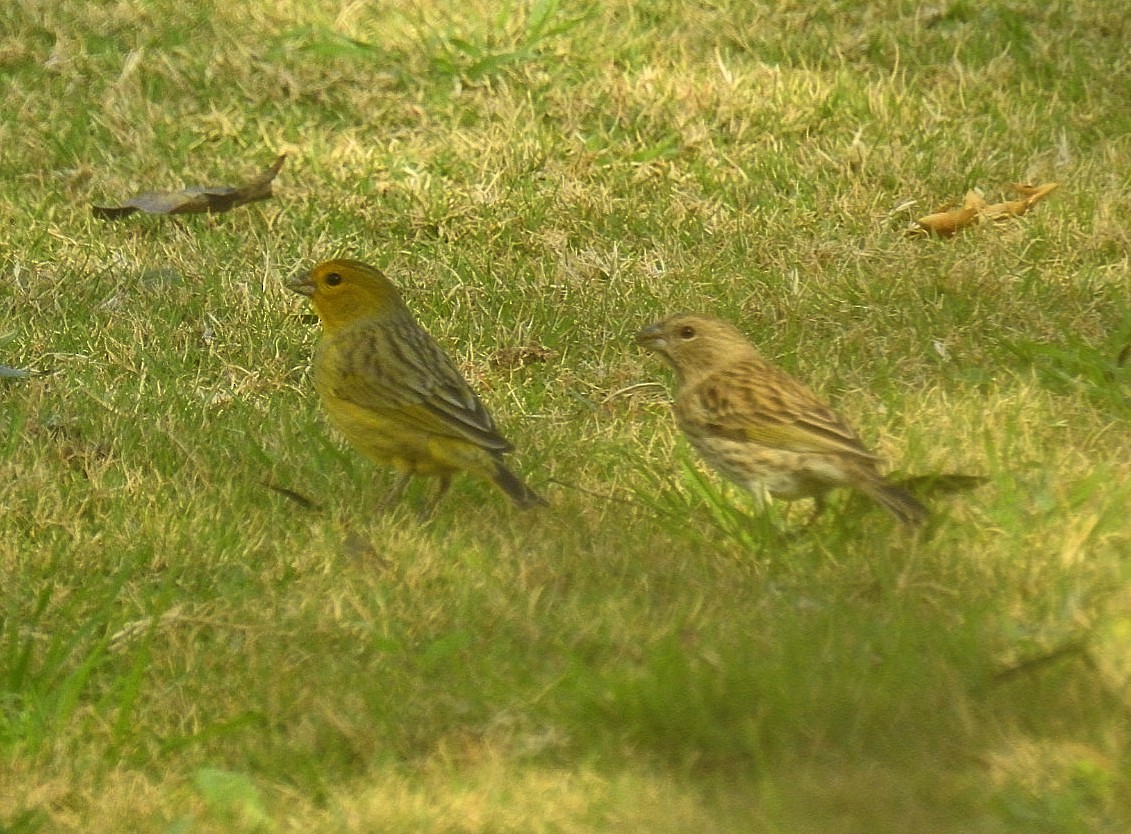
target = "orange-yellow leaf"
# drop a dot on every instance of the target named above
(1034, 192)
(1030, 196)
(1003, 211)
(947, 223)
(975, 209)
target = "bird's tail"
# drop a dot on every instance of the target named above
(897, 501)
(941, 483)
(522, 495)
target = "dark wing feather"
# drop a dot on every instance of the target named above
(757, 402)
(399, 371)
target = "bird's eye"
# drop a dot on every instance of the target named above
(333, 279)
(687, 332)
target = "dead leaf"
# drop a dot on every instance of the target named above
(1030, 196)
(1003, 211)
(1035, 192)
(509, 358)
(195, 200)
(946, 223)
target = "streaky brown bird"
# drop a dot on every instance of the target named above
(760, 427)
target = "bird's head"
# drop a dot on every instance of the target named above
(695, 345)
(343, 291)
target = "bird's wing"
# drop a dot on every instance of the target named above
(399, 372)
(757, 402)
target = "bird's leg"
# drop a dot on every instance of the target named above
(819, 507)
(393, 497)
(426, 511)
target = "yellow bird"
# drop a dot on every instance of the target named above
(392, 391)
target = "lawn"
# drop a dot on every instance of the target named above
(205, 625)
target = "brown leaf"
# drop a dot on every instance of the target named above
(196, 199)
(974, 210)
(1006, 210)
(1030, 196)
(1035, 192)
(948, 223)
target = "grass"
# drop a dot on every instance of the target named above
(184, 648)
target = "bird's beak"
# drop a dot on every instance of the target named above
(300, 282)
(651, 337)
